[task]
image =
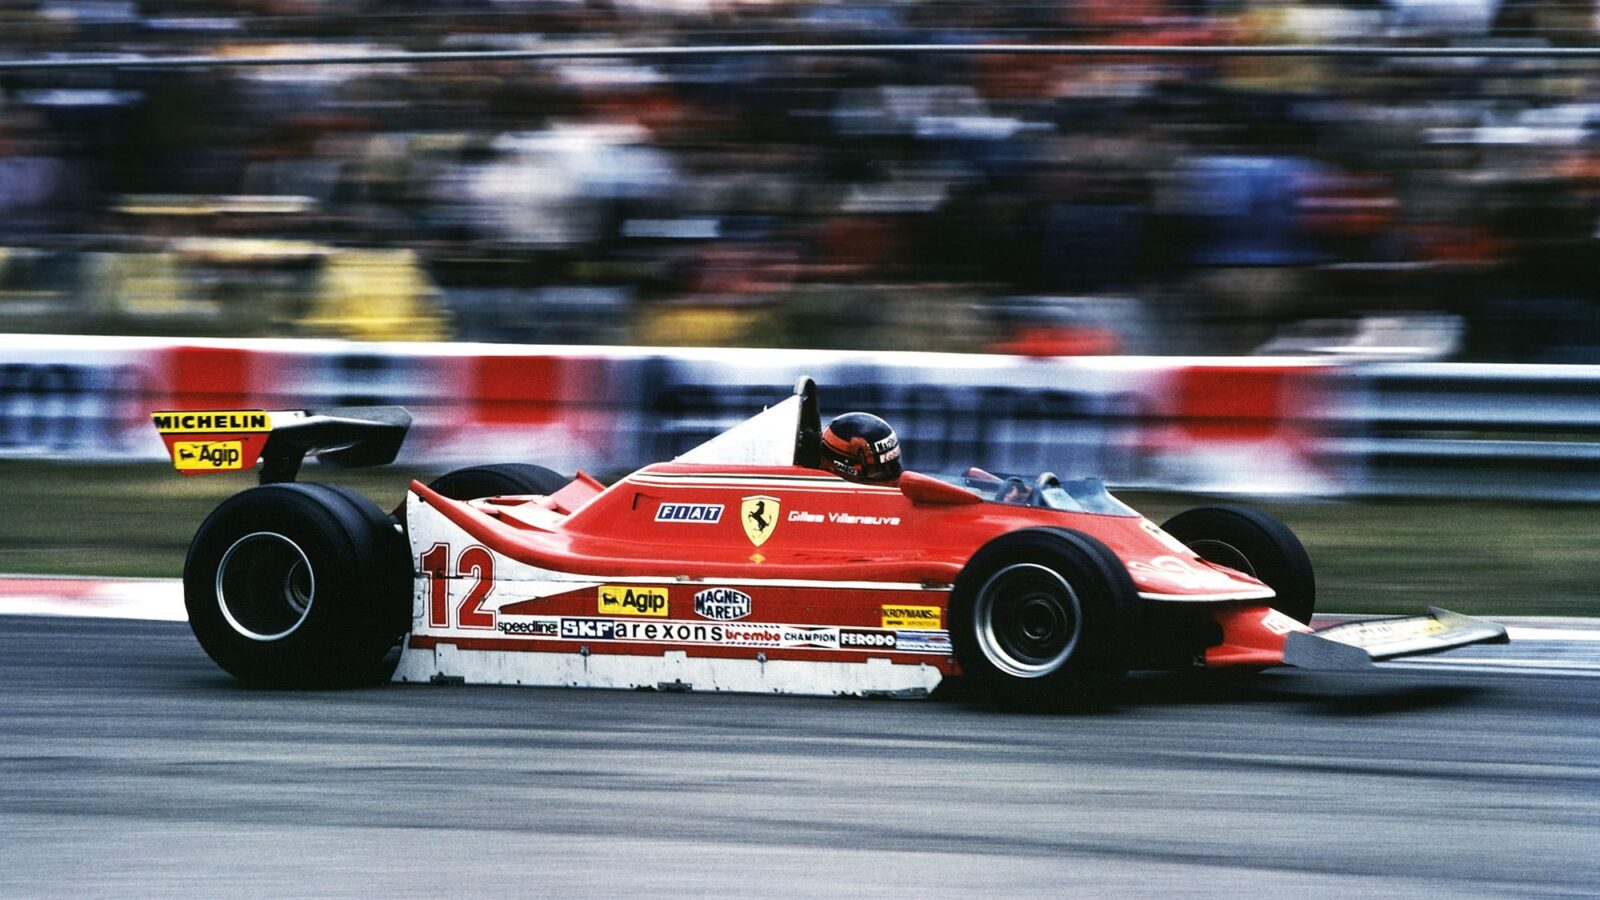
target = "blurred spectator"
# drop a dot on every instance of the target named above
(1017, 204)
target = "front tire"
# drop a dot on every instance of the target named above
(1040, 620)
(298, 586)
(1250, 541)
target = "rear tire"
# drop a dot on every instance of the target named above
(298, 586)
(1250, 541)
(1041, 620)
(498, 480)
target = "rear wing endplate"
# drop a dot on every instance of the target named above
(207, 441)
(1357, 645)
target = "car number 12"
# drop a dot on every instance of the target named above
(474, 562)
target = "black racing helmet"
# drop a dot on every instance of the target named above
(861, 447)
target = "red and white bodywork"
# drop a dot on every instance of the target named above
(731, 569)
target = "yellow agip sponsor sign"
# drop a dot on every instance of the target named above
(213, 440)
(633, 600)
(926, 618)
(208, 456)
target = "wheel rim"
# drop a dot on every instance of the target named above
(1028, 620)
(265, 586)
(1223, 554)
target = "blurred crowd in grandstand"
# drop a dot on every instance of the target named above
(1421, 208)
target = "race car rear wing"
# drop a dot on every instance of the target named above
(203, 442)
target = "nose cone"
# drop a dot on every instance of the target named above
(1174, 577)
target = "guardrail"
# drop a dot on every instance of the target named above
(1247, 426)
(1462, 429)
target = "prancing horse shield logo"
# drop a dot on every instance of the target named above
(760, 516)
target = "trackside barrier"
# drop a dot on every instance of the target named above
(1225, 425)
(1462, 429)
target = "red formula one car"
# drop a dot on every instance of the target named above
(740, 566)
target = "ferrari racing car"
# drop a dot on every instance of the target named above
(746, 564)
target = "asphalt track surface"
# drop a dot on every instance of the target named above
(134, 767)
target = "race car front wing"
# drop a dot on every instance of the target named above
(1357, 645)
(1260, 637)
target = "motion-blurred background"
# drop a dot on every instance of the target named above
(1393, 260)
(1438, 208)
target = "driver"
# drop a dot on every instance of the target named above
(1014, 490)
(861, 447)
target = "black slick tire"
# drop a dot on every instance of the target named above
(298, 586)
(498, 480)
(1250, 541)
(1041, 620)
